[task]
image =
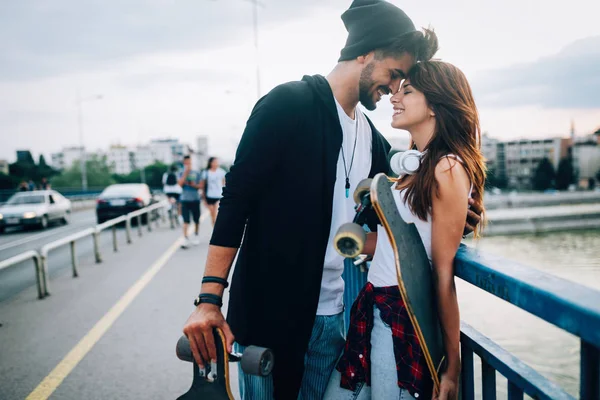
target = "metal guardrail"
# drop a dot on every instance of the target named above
(572, 307)
(28, 255)
(568, 305)
(41, 258)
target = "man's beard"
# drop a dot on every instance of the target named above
(364, 86)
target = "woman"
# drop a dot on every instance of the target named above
(213, 180)
(435, 105)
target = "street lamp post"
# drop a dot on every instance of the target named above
(82, 161)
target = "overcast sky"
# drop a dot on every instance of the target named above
(187, 68)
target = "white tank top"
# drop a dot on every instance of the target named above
(382, 271)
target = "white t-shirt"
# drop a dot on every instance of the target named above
(214, 182)
(331, 299)
(382, 271)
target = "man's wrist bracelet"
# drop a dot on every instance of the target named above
(208, 298)
(215, 279)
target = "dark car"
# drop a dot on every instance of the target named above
(121, 199)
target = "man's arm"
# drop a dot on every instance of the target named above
(257, 158)
(181, 181)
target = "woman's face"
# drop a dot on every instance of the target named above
(410, 107)
(214, 163)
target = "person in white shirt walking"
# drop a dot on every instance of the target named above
(213, 181)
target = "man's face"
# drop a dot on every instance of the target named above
(381, 77)
(187, 163)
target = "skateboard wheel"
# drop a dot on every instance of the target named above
(183, 350)
(257, 361)
(362, 188)
(349, 240)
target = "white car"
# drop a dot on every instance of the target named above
(37, 208)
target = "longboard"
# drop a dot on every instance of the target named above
(213, 381)
(415, 278)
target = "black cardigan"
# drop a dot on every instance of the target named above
(280, 189)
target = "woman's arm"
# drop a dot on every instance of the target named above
(449, 211)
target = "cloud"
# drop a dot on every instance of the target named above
(41, 38)
(568, 79)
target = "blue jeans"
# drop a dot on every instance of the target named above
(384, 378)
(326, 344)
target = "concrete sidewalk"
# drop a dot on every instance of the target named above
(132, 358)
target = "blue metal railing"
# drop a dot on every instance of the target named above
(570, 306)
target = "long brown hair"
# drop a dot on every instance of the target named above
(457, 132)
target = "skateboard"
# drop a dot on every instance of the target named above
(213, 381)
(415, 279)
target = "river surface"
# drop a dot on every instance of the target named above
(574, 256)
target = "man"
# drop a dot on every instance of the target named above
(189, 181)
(305, 148)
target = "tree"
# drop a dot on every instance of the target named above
(98, 175)
(565, 175)
(8, 182)
(493, 180)
(544, 175)
(42, 162)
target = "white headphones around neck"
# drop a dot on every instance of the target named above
(406, 162)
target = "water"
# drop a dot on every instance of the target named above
(574, 256)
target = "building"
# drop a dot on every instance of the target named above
(66, 158)
(119, 160)
(521, 158)
(168, 151)
(586, 161)
(4, 167)
(142, 157)
(201, 154)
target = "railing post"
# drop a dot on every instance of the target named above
(97, 247)
(514, 392)
(149, 220)
(139, 224)
(44, 271)
(128, 229)
(590, 371)
(467, 371)
(39, 276)
(163, 214)
(74, 259)
(114, 236)
(488, 380)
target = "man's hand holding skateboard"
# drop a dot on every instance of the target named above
(199, 331)
(206, 316)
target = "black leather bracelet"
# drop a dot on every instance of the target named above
(215, 279)
(208, 298)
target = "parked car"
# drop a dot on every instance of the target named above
(37, 208)
(121, 199)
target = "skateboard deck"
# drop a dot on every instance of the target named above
(415, 278)
(213, 381)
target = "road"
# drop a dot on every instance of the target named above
(111, 332)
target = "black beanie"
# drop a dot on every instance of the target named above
(372, 24)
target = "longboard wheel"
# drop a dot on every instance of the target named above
(183, 350)
(257, 361)
(349, 241)
(362, 188)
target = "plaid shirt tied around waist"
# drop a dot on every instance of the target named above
(354, 365)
